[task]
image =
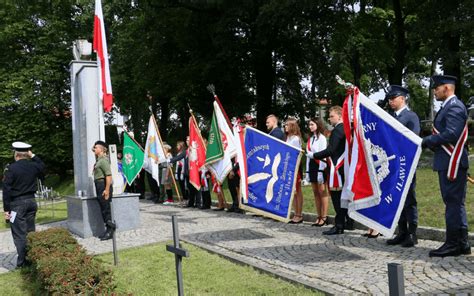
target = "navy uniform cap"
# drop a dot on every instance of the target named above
(21, 147)
(438, 80)
(395, 91)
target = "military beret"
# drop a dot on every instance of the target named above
(101, 143)
(21, 147)
(395, 91)
(438, 80)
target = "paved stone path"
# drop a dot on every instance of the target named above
(341, 264)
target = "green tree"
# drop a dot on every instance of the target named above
(36, 40)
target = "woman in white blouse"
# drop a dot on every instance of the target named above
(315, 170)
(293, 137)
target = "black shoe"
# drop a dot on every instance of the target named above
(218, 209)
(465, 250)
(334, 230)
(349, 226)
(231, 209)
(189, 206)
(410, 241)
(204, 208)
(464, 245)
(108, 235)
(446, 250)
(398, 239)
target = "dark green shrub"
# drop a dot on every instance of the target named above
(62, 266)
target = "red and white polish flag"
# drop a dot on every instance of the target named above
(100, 47)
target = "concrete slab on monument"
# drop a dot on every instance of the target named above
(85, 220)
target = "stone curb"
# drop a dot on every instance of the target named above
(261, 266)
(423, 232)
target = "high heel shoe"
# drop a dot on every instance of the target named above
(371, 235)
(318, 223)
(296, 222)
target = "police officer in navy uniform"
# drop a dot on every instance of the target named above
(449, 123)
(408, 222)
(19, 190)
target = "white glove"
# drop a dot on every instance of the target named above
(309, 154)
(306, 177)
(320, 178)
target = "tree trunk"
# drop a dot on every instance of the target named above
(264, 75)
(356, 67)
(400, 45)
(165, 115)
(452, 59)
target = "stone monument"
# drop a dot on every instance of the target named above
(84, 217)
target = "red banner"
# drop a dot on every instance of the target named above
(196, 153)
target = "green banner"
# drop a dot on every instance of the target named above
(215, 150)
(133, 157)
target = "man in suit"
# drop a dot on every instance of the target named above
(408, 222)
(335, 154)
(273, 129)
(451, 162)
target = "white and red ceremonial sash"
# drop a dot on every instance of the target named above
(335, 178)
(454, 152)
(100, 47)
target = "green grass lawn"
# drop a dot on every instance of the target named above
(150, 270)
(47, 213)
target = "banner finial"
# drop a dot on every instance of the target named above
(346, 85)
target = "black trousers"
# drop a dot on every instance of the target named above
(25, 209)
(454, 198)
(409, 213)
(154, 187)
(192, 195)
(182, 186)
(233, 184)
(341, 213)
(206, 198)
(103, 203)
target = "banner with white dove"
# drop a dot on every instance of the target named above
(272, 168)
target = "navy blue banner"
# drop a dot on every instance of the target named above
(395, 152)
(272, 167)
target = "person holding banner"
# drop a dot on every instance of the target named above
(335, 154)
(315, 170)
(293, 137)
(166, 178)
(179, 174)
(272, 127)
(451, 162)
(408, 221)
(192, 191)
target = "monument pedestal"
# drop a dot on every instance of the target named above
(85, 218)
